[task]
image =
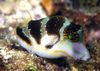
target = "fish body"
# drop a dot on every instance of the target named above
(52, 37)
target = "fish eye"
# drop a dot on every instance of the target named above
(76, 36)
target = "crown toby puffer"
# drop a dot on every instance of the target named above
(53, 37)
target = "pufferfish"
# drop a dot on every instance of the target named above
(52, 37)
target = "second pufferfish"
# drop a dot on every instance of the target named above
(53, 37)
